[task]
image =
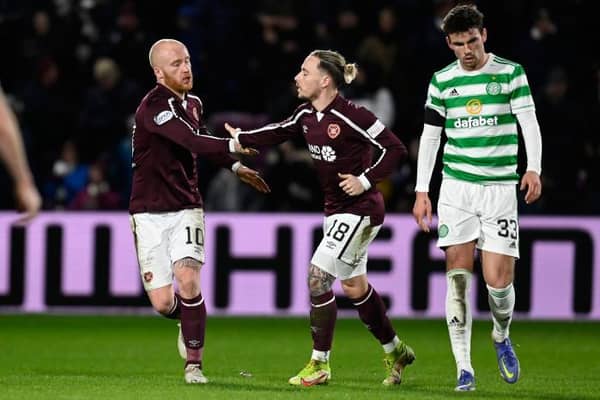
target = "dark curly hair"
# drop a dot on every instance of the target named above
(462, 18)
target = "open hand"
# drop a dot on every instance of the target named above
(247, 151)
(232, 131)
(252, 178)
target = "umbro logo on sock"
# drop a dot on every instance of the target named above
(454, 92)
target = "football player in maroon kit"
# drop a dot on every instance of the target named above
(341, 137)
(166, 207)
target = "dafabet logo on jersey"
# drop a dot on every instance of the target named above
(475, 122)
(474, 107)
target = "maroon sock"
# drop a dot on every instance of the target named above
(175, 312)
(323, 313)
(193, 326)
(373, 314)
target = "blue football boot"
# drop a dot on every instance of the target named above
(508, 363)
(466, 382)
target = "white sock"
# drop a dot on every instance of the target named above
(502, 304)
(391, 346)
(459, 318)
(322, 356)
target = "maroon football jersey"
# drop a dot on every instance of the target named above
(341, 139)
(168, 135)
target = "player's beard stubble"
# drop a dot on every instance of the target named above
(182, 85)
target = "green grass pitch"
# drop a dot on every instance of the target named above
(135, 357)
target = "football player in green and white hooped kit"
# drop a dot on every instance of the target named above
(478, 100)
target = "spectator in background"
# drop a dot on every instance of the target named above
(106, 107)
(68, 178)
(370, 92)
(74, 34)
(119, 168)
(347, 31)
(128, 41)
(12, 153)
(538, 49)
(383, 47)
(560, 114)
(51, 37)
(42, 41)
(97, 194)
(284, 38)
(48, 112)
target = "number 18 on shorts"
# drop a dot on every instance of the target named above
(343, 249)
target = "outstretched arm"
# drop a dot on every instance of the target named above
(160, 118)
(269, 134)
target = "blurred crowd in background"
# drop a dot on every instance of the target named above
(75, 71)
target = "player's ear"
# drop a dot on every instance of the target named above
(448, 42)
(158, 72)
(483, 35)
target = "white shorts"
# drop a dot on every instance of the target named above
(343, 250)
(163, 238)
(485, 213)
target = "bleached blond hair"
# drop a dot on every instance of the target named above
(334, 64)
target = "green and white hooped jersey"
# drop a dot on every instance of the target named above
(479, 108)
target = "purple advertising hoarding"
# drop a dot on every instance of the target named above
(256, 264)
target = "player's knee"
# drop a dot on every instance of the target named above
(461, 255)
(319, 281)
(187, 265)
(188, 288)
(163, 306)
(355, 288)
(187, 275)
(317, 287)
